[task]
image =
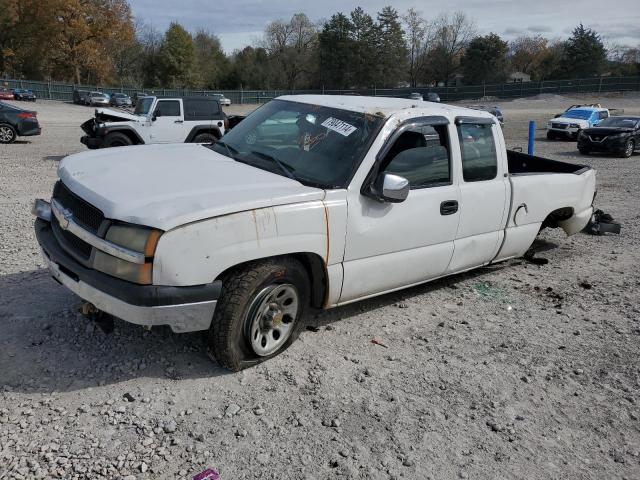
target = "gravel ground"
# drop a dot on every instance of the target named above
(512, 371)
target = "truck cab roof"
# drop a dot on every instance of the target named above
(383, 106)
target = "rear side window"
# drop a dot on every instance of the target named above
(479, 158)
(201, 109)
(169, 108)
(421, 155)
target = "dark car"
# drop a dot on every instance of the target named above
(495, 111)
(79, 96)
(137, 96)
(433, 97)
(120, 100)
(16, 122)
(619, 135)
(24, 94)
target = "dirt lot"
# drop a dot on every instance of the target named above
(512, 371)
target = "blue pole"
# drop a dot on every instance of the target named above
(532, 136)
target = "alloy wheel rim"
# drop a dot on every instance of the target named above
(629, 148)
(5, 134)
(271, 318)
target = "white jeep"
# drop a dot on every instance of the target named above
(310, 202)
(157, 120)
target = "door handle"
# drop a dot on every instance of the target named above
(448, 207)
(178, 121)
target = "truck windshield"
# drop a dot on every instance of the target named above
(318, 146)
(143, 106)
(579, 114)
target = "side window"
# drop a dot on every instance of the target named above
(603, 115)
(200, 109)
(479, 158)
(168, 108)
(421, 155)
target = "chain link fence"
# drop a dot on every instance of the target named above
(64, 91)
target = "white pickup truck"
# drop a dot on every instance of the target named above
(310, 202)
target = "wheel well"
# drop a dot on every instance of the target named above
(315, 267)
(132, 136)
(212, 130)
(558, 215)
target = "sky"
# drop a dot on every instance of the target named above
(239, 23)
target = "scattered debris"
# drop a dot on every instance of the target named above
(601, 223)
(208, 474)
(378, 342)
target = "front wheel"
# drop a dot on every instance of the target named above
(259, 312)
(7, 134)
(204, 138)
(116, 139)
(551, 136)
(629, 147)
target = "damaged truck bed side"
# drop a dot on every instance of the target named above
(311, 201)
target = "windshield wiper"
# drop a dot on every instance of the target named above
(286, 169)
(229, 148)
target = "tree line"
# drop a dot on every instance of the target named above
(100, 42)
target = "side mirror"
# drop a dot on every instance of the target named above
(156, 114)
(391, 188)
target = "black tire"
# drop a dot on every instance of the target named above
(228, 338)
(629, 148)
(204, 138)
(8, 134)
(116, 139)
(584, 151)
(551, 136)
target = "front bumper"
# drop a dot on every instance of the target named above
(184, 309)
(568, 132)
(92, 142)
(614, 145)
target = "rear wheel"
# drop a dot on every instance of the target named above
(629, 147)
(259, 312)
(7, 134)
(204, 138)
(117, 139)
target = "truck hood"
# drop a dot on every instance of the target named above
(605, 131)
(111, 115)
(166, 186)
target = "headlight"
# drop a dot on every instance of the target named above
(139, 239)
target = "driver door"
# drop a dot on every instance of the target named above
(167, 122)
(394, 245)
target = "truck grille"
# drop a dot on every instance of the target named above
(70, 242)
(559, 126)
(83, 212)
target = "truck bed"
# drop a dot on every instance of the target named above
(521, 163)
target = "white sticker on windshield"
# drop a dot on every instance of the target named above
(343, 128)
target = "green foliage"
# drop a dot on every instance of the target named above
(584, 54)
(178, 59)
(336, 51)
(392, 49)
(98, 42)
(485, 60)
